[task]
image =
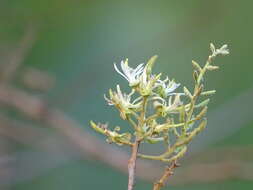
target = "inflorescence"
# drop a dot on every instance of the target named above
(172, 118)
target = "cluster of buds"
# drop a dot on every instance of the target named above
(158, 113)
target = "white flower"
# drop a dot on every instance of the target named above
(147, 82)
(223, 50)
(169, 88)
(168, 106)
(122, 101)
(130, 74)
(144, 77)
(177, 102)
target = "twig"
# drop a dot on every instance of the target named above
(18, 55)
(132, 165)
(37, 80)
(132, 160)
(38, 138)
(167, 173)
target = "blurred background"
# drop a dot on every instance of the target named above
(56, 63)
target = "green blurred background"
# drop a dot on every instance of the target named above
(77, 41)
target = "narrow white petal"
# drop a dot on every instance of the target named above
(139, 68)
(137, 99)
(159, 98)
(170, 101)
(225, 46)
(108, 100)
(119, 92)
(126, 69)
(116, 68)
(172, 87)
(144, 75)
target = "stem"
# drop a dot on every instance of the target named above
(167, 173)
(133, 123)
(132, 165)
(142, 115)
(132, 160)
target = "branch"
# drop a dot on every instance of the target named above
(18, 55)
(132, 165)
(36, 137)
(37, 80)
(167, 173)
(132, 160)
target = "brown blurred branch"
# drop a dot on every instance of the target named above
(37, 80)
(18, 56)
(33, 136)
(8, 70)
(34, 108)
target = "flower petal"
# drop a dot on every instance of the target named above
(116, 68)
(126, 69)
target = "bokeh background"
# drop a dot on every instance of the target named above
(56, 63)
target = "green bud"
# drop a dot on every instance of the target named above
(195, 76)
(207, 93)
(117, 129)
(153, 140)
(202, 113)
(202, 104)
(196, 66)
(201, 126)
(97, 128)
(212, 68)
(182, 114)
(150, 64)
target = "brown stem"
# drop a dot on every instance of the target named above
(132, 165)
(167, 173)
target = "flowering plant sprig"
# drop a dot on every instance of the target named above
(174, 119)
